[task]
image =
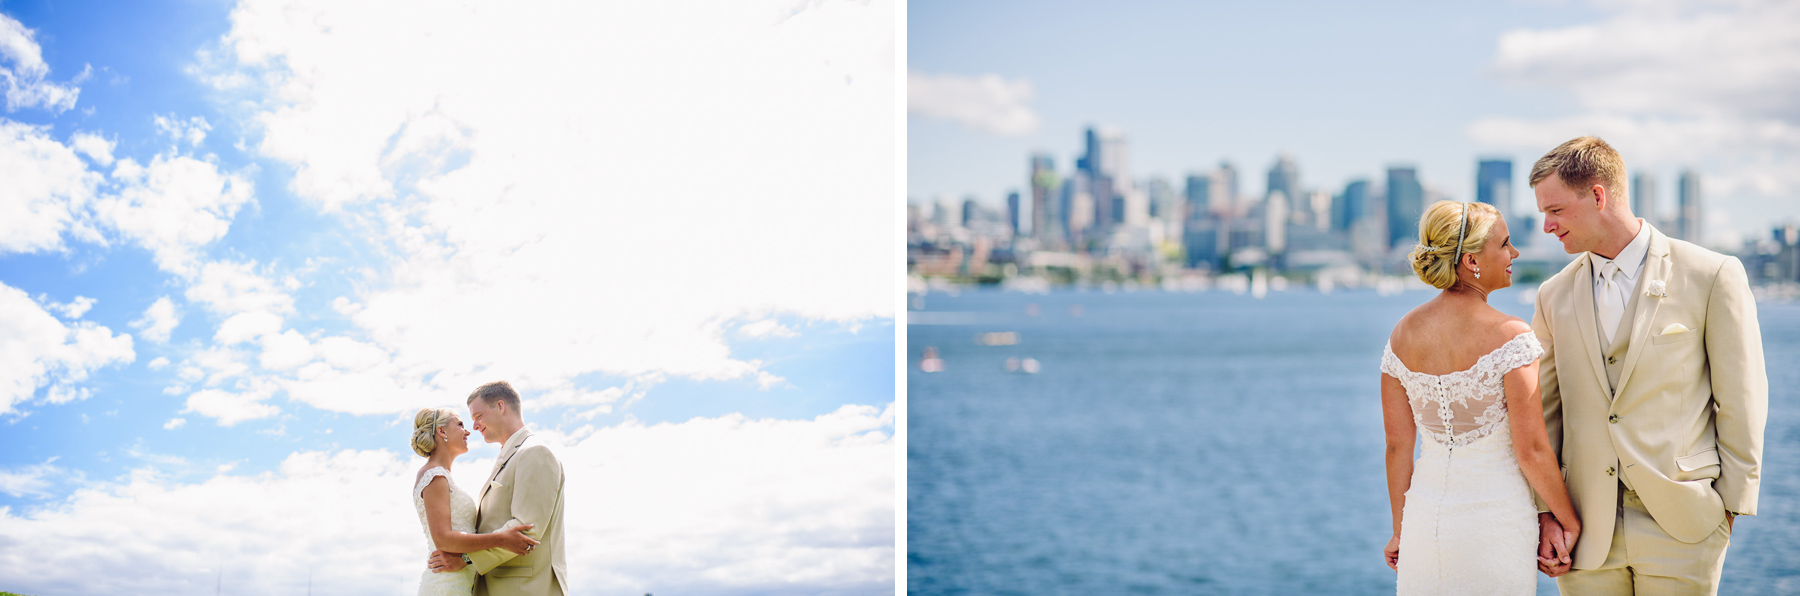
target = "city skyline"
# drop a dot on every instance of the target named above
(1348, 91)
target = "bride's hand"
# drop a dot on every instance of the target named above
(1392, 550)
(515, 540)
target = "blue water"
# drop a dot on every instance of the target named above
(1203, 444)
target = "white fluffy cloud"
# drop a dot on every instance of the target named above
(96, 147)
(590, 229)
(173, 207)
(244, 401)
(1672, 84)
(47, 187)
(159, 320)
(809, 510)
(22, 72)
(987, 102)
(37, 350)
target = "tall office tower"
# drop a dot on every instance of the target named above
(1284, 176)
(1493, 184)
(1690, 221)
(1043, 203)
(1405, 205)
(1350, 206)
(1105, 163)
(971, 211)
(1077, 208)
(1162, 199)
(1275, 222)
(1643, 198)
(1226, 189)
(1199, 193)
(1012, 213)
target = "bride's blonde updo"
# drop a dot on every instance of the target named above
(425, 425)
(1434, 259)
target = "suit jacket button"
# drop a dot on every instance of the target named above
(1610, 471)
(1612, 359)
(1613, 418)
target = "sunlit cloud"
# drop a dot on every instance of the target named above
(987, 103)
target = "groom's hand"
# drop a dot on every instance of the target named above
(444, 562)
(1553, 547)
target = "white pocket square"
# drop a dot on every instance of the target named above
(496, 483)
(1673, 329)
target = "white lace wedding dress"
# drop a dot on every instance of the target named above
(462, 519)
(1469, 525)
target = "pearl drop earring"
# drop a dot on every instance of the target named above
(1477, 273)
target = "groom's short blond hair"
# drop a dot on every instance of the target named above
(1581, 163)
(497, 391)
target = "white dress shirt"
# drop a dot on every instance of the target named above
(1610, 299)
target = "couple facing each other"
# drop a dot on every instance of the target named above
(1641, 374)
(508, 539)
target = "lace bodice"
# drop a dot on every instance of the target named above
(462, 508)
(1459, 408)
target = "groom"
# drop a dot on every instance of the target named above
(1653, 385)
(526, 487)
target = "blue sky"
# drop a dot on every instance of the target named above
(1350, 88)
(250, 239)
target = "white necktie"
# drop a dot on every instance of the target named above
(1610, 305)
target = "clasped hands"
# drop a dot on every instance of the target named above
(1556, 545)
(512, 539)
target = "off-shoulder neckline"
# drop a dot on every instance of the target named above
(1389, 348)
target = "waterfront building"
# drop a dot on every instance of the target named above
(1044, 203)
(1012, 213)
(1405, 205)
(1493, 184)
(1688, 198)
(1350, 206)
(1643, 198)
(1105, 162)
(1284, 177)
(1227, 189)
(1199, 193)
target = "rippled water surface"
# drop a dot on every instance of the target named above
(1202, 444)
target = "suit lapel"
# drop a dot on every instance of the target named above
(1656, 267)
(1585, 319)
(506, 453)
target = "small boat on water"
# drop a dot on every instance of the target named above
(931, 363)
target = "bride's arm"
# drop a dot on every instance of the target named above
(1396, 417)
(437, 515)
(1525, 413)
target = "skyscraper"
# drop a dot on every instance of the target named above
(1643, 198)
(1284, 177)
(1012, 212)
(1225, 191)
(1405, 205)
(1351, 206)
(1105, 163)
(1199, 193)
(1044, 205)
(1690, 222)
(1493, 184)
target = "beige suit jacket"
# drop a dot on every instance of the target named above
(526, 487)
(1685, 423)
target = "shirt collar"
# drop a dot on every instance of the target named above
(1632, 256)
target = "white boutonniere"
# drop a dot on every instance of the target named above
(1657, 288)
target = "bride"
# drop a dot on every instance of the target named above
(446, 512)
(1465, 375)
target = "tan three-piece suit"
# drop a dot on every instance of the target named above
(1659, 428)
(526, 487)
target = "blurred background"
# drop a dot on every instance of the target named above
(1154, 251)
